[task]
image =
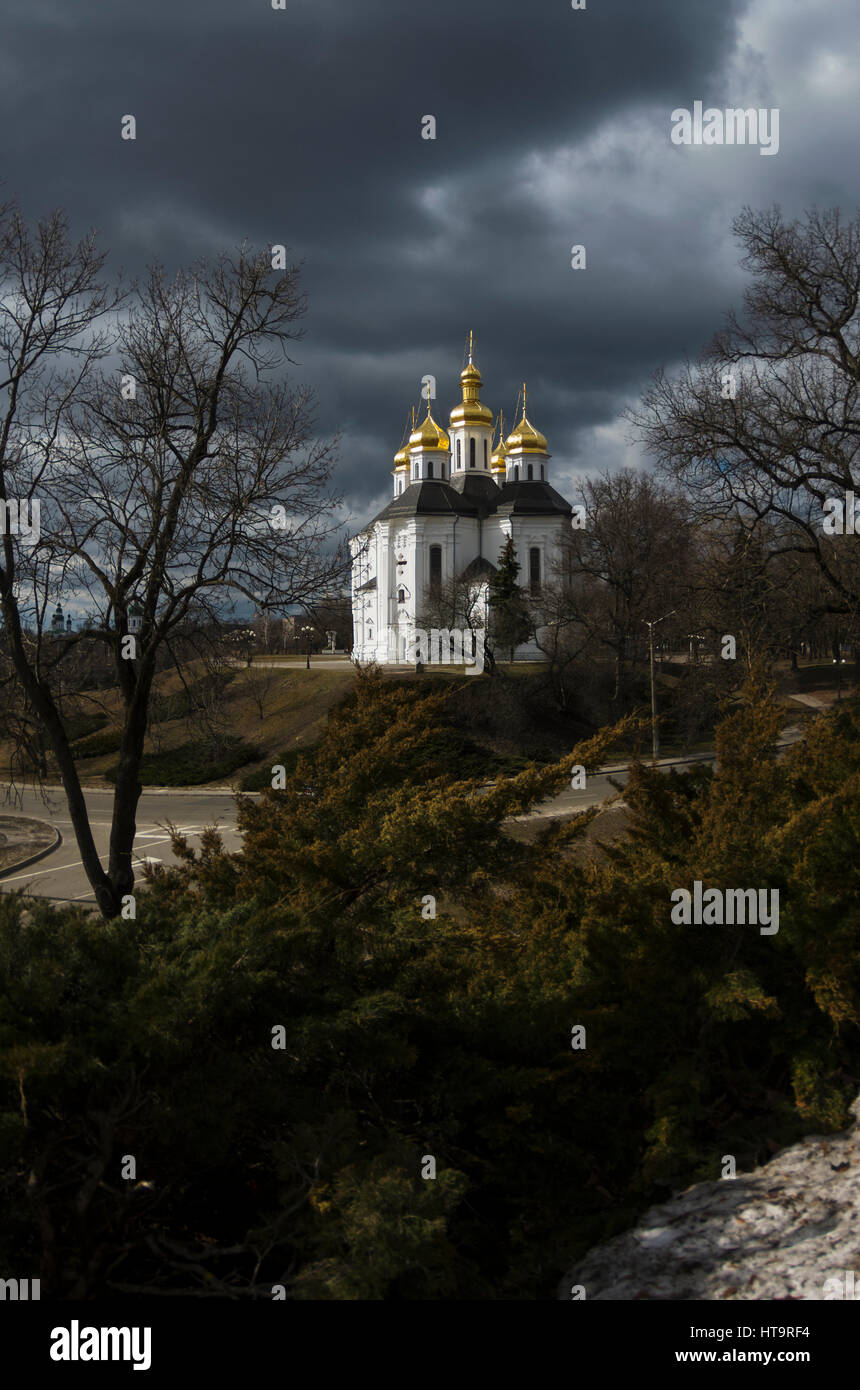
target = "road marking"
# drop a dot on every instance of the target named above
(58, 868)
(76, 863)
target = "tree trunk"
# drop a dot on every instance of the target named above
(619, 673)
(127, 790)
(46, 711)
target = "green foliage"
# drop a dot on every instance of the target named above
(509, 618)
(195, 762)
(261, 778)
(407, 1035)
(79, 726)
(98, 744)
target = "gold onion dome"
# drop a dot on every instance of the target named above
(471, 411)
(429, 436)
(401, 458)
(499, 456)
(525, 438)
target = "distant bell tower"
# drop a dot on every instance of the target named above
(471, 424)
(58, 622)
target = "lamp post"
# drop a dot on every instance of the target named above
(655, 739)
(308, 633)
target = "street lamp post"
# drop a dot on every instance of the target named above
(655, 738)
(308, 632)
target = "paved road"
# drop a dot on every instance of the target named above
(60, 875)
(599, 786)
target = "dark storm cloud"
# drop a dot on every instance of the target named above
(303, 126)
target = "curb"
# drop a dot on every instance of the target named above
(34, 858)
(153, 791)
(681, 762)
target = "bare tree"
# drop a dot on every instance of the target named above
(459, 603)
(260, 681)
(627, 563)
(184, 478)
(558, 630)
(766, 424)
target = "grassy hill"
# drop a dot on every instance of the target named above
(194, 740)
(231, 728)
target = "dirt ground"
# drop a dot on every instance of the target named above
(21, 836)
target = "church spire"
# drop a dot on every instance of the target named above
(471, 409)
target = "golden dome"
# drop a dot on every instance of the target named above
(401, 458)
(471, 411)
(525, 439)
(429, 436)
(498, 459)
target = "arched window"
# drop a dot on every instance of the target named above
(530, 474)
(516, 473)
(401, 595)
(459, 456)
(534, 570)
(429, 468)
(485, 453)
(435, 566)
(471, 453)
(541, 473)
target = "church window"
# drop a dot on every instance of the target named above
(459, 458)
(401, 595)
(541, 473)
(471, 453)
(429, 468)
(435, 566)
(516, 473)
(534, 570)
(485, 453)
(530, 474)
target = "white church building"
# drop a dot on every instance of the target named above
(457, 498)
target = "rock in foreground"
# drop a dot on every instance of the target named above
(780, 1232)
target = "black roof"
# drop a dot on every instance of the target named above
(475, 496)
(479, 486)
(532, 497)
(430, 497)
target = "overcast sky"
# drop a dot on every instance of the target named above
(303, 126)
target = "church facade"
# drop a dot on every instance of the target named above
(457, 498)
